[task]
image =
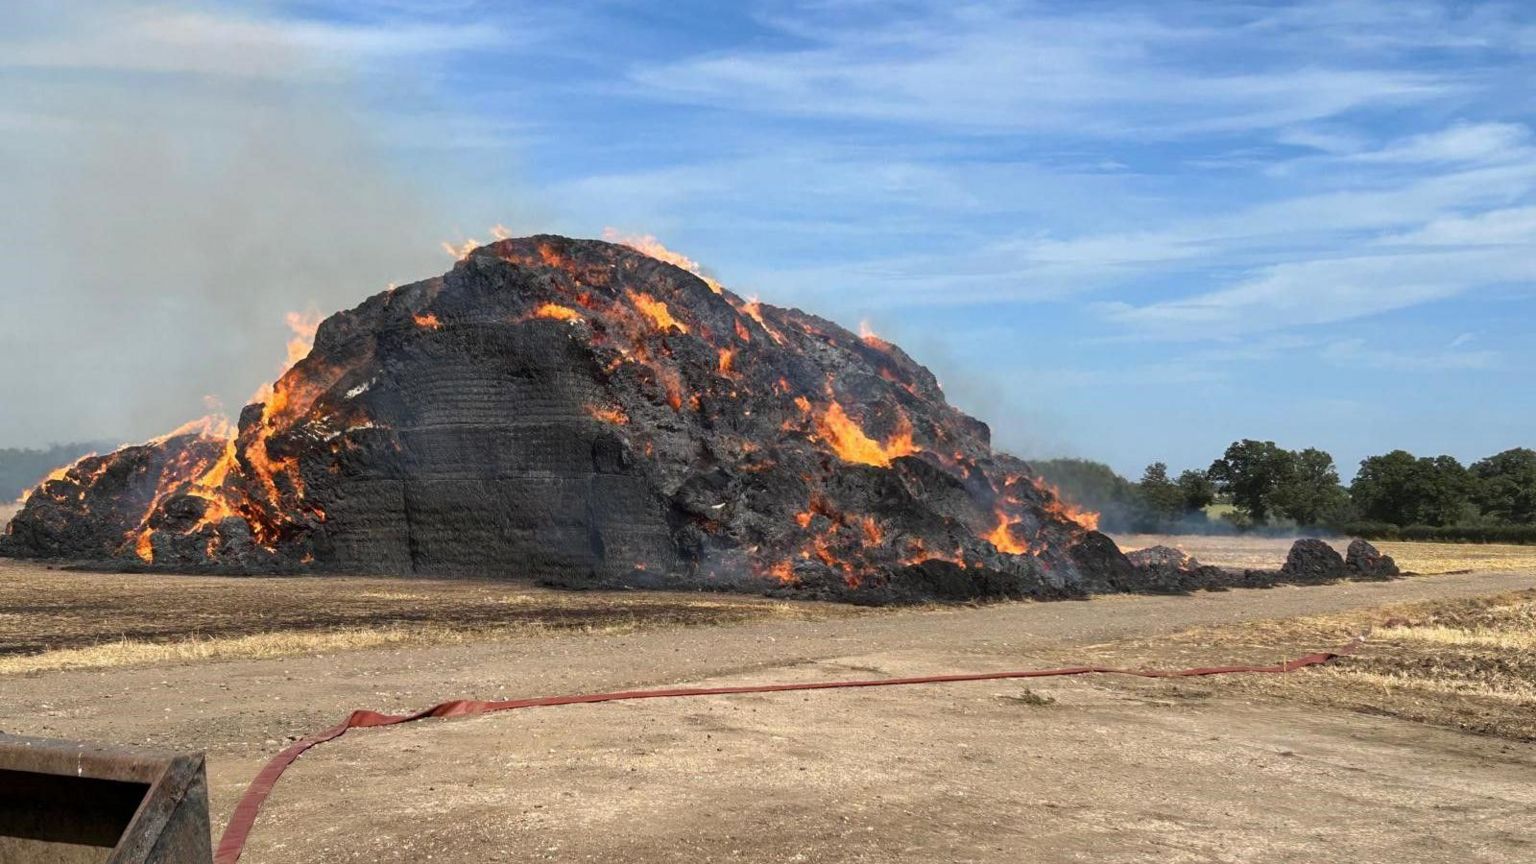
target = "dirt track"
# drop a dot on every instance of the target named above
(1113, 771)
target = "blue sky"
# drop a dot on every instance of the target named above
(1122, 231)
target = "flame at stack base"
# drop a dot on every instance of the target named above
(584, 414)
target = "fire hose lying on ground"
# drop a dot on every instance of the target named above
(232, 843)
(77, 801)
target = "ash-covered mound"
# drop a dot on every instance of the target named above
(1366, 562)
(1166, 570)
(1310, 561)
(584, 414)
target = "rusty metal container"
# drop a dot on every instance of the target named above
(71, 802)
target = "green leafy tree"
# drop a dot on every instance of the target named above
(1249, 473)
(1161, 496)
(1383, 487)
(1198, 490)
(1506, 486)
(1402, 489)
(1445, 491)
(1308, 489)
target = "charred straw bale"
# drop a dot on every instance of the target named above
(582, 414)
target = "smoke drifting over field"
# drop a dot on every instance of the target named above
(173, 183)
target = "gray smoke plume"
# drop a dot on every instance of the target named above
(171, 184)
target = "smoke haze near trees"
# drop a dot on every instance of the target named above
(1259, 485)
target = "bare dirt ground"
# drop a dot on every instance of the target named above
(1060, 770)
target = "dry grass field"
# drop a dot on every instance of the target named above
(1269, 552)
(1465, 663)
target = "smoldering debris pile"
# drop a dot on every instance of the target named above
(583, 414)
(1310, 561)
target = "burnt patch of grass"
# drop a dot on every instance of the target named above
(54, 619)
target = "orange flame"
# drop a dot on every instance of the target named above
(609, 415)
(173, 480)
(784, 571)
(850, 442)
(206, 479)
(211, 426)
(59, 473)
(62, 472)
(754, 310)
(872, 533)
(304, 326)
(649, 245)
(918, 553)
(557, 312)
(214, 478)
(428, 321)
(657, 311)
(1058, 506)
(462, 250)
(867, 334)
(552, 257)
(824, 553)
(1002, 536)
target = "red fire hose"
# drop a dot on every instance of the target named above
(232, 843)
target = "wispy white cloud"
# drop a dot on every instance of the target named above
(1093, 71)
(1389, 26)
(1442, 259)
(1105, 174)
(169, 40)
(1463, 142)
(1375, 243)
(1344, 229)
(1357, 353)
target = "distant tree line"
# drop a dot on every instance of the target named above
(20, 469)
(1258, 485)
